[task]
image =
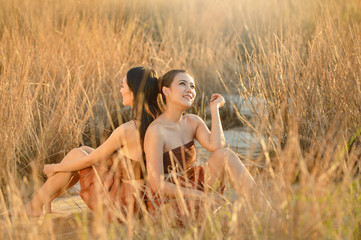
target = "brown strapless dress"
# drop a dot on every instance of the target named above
(112, 186)
(179, 169)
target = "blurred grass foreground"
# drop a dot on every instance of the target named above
(296, 64)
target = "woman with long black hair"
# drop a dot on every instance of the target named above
(110, 174)
(170, 151)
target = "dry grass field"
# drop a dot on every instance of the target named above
(61, 64)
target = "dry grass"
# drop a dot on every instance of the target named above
(61, 63)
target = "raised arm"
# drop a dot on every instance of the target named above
(214, 139)
(153, 147)
(103, 152)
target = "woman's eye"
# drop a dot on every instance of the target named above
(182, 83)
(192, 86)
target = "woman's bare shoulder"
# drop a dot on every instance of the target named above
(192, 118)
(155, 129)
(155, 126)
(125, 128)
(127, 133)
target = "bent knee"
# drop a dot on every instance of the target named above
(86, 149)
(222, 156)
(223, 153)
(219, 157)
(78, 152)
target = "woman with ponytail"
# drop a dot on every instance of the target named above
(111, 175)
(173, 177)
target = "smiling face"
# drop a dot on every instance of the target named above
(181, 91)
(127, 94)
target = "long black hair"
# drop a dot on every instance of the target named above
(143, 82)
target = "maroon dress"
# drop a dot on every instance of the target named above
(179, 169)
(111, 188)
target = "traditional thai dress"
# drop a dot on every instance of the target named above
(112, 187)
(178, 168)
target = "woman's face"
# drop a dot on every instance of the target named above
(182, 90)
(127, 94)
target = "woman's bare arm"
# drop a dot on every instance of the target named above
(214, 139)
(103, 152)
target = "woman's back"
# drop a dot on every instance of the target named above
(131, 148)
(107, 173)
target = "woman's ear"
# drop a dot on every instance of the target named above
(165, 90)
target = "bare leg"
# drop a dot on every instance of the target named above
(55, 185)
(74, 179)
(224, 163)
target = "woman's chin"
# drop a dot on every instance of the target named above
(187, 104)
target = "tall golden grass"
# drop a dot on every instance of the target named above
(61, 64)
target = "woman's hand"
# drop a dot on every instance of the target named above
(50, 169)
(217, 100)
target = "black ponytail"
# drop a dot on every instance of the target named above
(143, 82)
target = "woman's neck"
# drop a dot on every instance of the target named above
(173, 114)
